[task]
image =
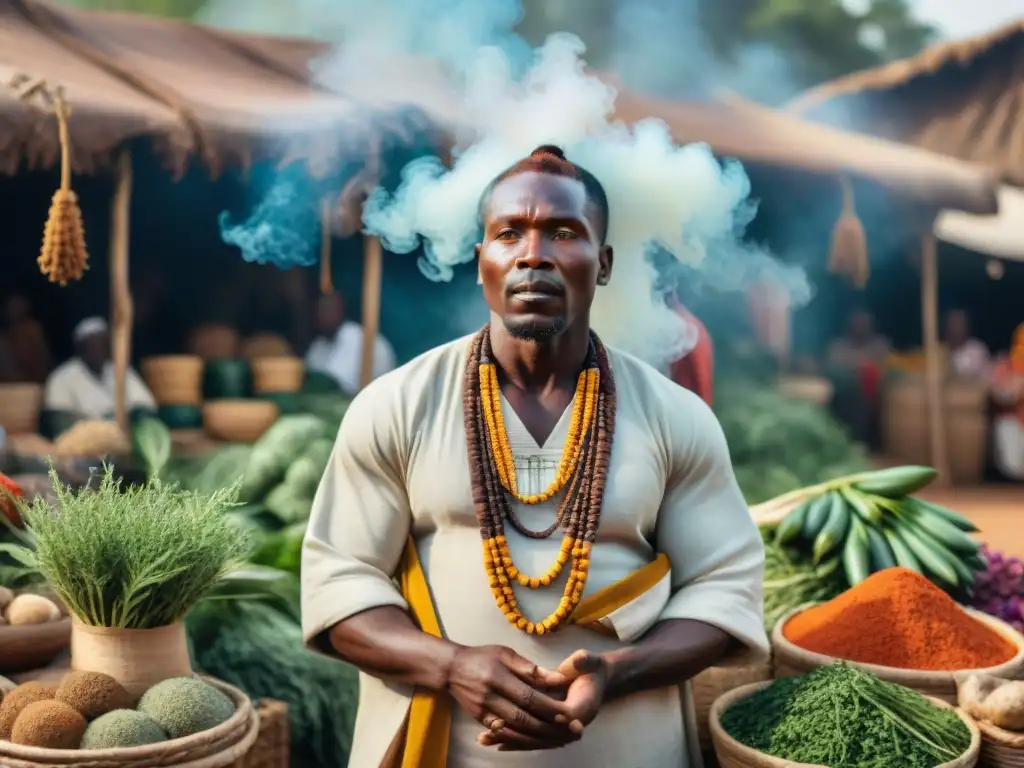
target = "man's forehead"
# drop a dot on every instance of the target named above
(533, 194)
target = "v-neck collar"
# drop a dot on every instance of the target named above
(519, 436)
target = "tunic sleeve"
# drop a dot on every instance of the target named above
(705, 528)
(360, 518)
(59, 393)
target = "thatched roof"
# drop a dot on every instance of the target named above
(189, 89)
(964, 99)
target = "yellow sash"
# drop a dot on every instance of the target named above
(430, 716)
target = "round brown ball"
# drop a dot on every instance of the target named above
(49, 723)
(93, 694)
(15, 701)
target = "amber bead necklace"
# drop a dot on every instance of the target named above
(582, 473)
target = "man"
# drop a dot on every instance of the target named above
(855, 365)
(27, 340)
(524, 646)
(337, 350)
(968, 357)
(83, 387)
(1007, 388)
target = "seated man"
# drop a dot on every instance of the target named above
(83, 387)
(337, 350)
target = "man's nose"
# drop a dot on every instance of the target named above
(534, 252)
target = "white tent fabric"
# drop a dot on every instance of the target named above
(1001, 235)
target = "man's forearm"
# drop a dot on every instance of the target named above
(386, 643)
(671, 653)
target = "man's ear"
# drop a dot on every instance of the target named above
(605, 261)
(479, 277)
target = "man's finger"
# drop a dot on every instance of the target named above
(532, 701)
(578, 664)
(508, 740)
(521, 720)
(530, 673)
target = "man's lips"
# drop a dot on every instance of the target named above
(537, 291)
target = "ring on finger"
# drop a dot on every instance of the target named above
(494, 723)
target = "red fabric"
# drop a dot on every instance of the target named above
(870, 377)
(8, 489)
(695, 370)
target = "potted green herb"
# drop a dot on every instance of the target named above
(130, 563)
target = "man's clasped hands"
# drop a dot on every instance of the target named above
(523, 706)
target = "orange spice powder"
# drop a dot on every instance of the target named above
(897, 618)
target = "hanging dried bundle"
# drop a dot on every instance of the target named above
(63, 257)
(848, 254)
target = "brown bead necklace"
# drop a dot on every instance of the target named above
(582, 473)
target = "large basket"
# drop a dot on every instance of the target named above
(265, 345)
(220, 747)
(239, 421)
(273, 746)
(33, 645)
(741, 668)
(212, 342)
(19, 408)
(1000, 748)
(792, 660)
(174, 379)
(732, 754)
(277, 374)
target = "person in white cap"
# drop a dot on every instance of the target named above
(83, 387)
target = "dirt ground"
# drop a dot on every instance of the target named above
(998, 510)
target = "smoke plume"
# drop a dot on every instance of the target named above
(506, 100)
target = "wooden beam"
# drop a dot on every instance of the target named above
(373, 268)
(121, 310)
(934, 374)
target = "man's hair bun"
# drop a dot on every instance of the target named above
(548, 149)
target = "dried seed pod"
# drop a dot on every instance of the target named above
(64, 257)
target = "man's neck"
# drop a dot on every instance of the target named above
(95, 370)
(540, 366)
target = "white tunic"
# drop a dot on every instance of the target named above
(401, 463)
(341, 358)
(72, 387)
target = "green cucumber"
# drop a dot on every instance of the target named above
(835, 529)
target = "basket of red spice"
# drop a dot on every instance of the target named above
(904, 629)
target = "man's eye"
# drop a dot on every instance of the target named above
(506, 234)
(565, 234)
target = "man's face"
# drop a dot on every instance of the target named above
(541, 257)
(957, 327)
(861, 325)
(94, 349)
(330, 312)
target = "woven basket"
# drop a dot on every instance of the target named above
(792, 660)
(33, 645)
(225, 745)
(277, 374)
(732, 754)
(19, 408)
(1000, 748)
(174, 379)
(813, 389)
(738, 669)
(239, 421)
(266, 345)
(273, 746)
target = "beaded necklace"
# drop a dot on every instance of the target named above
(582, 473)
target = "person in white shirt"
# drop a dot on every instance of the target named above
(337, 350)
(83, 387)
(969, 358)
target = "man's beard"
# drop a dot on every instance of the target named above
(534, 330)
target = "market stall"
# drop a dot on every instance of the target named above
(957, 99)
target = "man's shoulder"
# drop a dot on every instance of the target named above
(69, 368)
(437, 367)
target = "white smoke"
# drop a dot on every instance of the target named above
(679, 198)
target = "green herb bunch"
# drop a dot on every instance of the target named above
(136, 558)
(845, 717)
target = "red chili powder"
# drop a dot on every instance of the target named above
(897, 618)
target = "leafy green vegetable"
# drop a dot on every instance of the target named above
(274, 452)
(151, 440)
(258, 649)
(778, 444)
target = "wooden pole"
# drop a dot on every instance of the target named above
(933, 356)
(372, 272)
(121, 309)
